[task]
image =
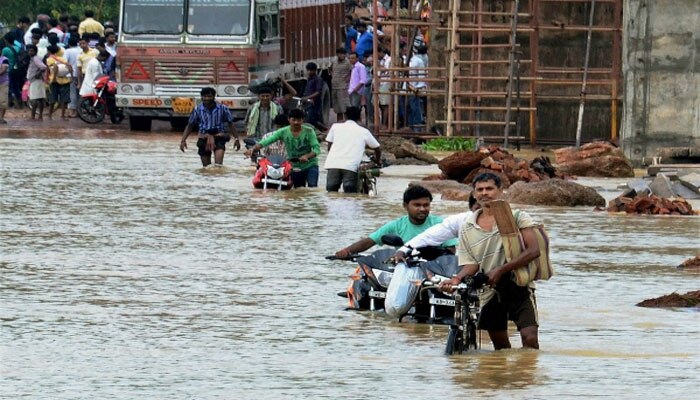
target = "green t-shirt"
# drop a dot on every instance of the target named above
(407, 231)
(11, 55)
(296, 147)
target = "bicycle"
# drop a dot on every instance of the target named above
(367, 177)
(463, 334)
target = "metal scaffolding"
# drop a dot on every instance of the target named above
(491, 47)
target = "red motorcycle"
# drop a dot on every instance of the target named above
(273, 172)
(93, 107)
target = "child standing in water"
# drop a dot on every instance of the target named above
(35, 76)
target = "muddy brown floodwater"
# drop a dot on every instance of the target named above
(127, 271)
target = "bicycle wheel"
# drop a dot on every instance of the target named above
(454, 342)
(471, 339)
(372, 187)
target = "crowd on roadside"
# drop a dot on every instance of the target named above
(352, 72)
(54, 61)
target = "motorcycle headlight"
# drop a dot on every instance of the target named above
(384, 278)
(275, 173)
(126, 89)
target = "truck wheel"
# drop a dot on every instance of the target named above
(178, 124)
(140, 123)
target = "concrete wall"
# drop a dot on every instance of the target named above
(661, 70)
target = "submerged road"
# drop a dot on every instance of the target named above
(127, 271)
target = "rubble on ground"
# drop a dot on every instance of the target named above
(596, 159)
(672, 155)
(634, 202)
(690, 299)
(455, 195)
(691, 264)
(463, 166)
(405, 152)
(442, 185)
(553, 192)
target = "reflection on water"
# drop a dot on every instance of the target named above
(127, 271)
(497, 370)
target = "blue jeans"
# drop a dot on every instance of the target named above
(306, 177)
(415, 110)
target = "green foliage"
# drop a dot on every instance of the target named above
(450, 144)
(11, 10)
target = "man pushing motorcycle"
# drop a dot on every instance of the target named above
(346, 147)
(481, 250)
(416, 201)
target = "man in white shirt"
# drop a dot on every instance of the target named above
(346, 147)
(417, 72)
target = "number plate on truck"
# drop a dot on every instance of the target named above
(183, 105)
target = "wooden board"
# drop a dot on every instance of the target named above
(504, 217)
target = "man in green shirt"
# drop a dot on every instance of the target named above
(302, 148)
(416, 201)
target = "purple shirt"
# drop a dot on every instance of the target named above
(357, 76)
(5, 77)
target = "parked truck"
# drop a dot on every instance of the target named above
(170, 49)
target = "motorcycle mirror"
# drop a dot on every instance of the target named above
(392, 240)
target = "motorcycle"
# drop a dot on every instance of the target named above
(273, 171)
(92, 108)
(373, 281)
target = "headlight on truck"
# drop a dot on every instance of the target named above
(126, 89)
(243, 90)
(230, 90)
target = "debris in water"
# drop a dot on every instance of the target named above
(690, 299)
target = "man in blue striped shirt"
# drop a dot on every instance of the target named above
(214, 121)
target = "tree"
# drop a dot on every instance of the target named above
(11, 10)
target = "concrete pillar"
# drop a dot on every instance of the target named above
(661, 75)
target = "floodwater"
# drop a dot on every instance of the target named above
(127, 271)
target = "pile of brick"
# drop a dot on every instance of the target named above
(463, 166)
(632, 202)
(601, 159)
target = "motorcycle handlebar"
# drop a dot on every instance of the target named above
(351, 257)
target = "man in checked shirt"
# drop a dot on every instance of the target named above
(214, 121)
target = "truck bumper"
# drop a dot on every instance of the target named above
(161, 107)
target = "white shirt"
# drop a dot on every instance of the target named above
(28, 33)
(71, 55)
(349, 141)
(416, 64)
(93, 69)
(111, 49)
(58, 33)
(437, 234)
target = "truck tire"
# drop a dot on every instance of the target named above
(178, 124)
(140, 123)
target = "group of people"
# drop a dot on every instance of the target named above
(54, 60)
(479, 249)
(352, 74)
(284, 133)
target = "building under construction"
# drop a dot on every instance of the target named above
(511, 70)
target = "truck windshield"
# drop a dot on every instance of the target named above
(218, 17)
(153, 16)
